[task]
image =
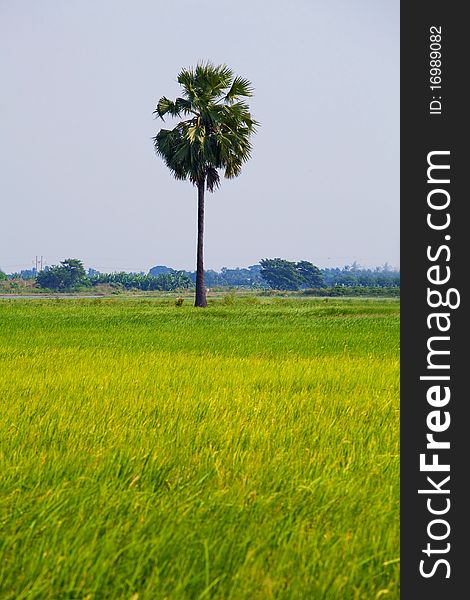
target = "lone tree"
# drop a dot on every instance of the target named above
(216, 135)
(283, 274)
(68, 275)
(280, 274)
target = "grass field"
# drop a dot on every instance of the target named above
(246, 451)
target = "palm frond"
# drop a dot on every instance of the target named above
(211, 80)
(240, 87)
(186, 80)
(212, 179)
(184, 106)
(165, 106)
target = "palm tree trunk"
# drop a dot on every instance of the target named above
(200, 288)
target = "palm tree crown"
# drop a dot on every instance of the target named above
(217, 133)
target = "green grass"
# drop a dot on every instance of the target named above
(246, 451)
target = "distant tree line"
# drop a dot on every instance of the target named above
(24, 274)
(165, 282)
(71, 275)
(249, 277)
(274, 273)
(357, 276)
(281, 274)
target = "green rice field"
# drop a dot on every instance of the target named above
(246, 451)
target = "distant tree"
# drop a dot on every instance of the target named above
(70, 274)
(3, 276)
(286, 275)
(24, 274)
(280, 274)
(161, 270)
(311, 275)
(215, 136)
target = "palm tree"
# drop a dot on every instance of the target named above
(215, 135)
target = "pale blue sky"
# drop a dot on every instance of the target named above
(80, 80)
